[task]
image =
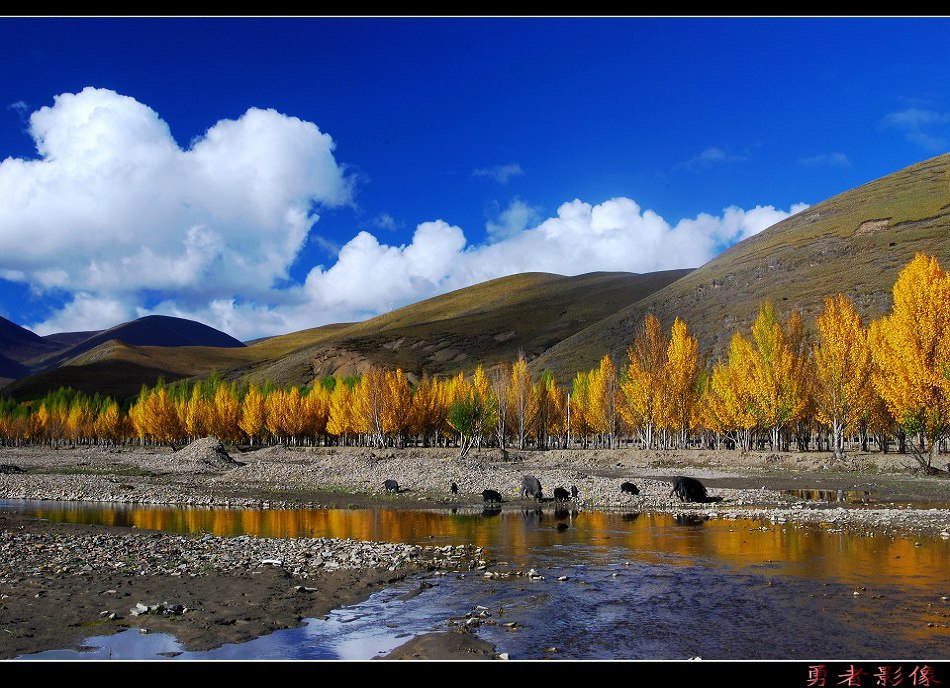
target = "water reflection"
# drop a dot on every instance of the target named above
(616, 585)
(841, 496)
(517, 536)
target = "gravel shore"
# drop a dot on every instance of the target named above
(765, 486)
(62, 582)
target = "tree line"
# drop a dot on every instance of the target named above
(778, 384)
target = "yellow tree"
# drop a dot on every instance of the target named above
(728, 402)
(110, 425)
(578, 407)
(197, 417)
(680, 379)
(643, 386)
(603, 393)
(500, 379)
(369, 400)
(519, 399)
(137, 415)
(482, 386)
(80, 419)
(803, 371)
(556, 413)
(316, 409)
(295, 418)
(843, 392)
(162, 421)
(911, 352)
(226, 414)
(777, 393)
(397, 405)
(253, 413)
(277, 414)
(428, 409)
(340, 421)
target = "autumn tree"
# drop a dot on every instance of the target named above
(253, 413)
(644, 379)
(519, 399)
(603, 391)
(728, 402)
(369, 402)
(843, 392)
(911, 351)
(681, 371)
(578, 407)
(340, 420)
(396, 405)
(777, 395)
(500, 380)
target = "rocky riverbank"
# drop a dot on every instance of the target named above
(870, 491)
(60, 582)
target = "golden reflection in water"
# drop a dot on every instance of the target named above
(606, 536)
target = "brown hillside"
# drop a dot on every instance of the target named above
(855, 243)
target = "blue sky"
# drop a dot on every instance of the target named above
(265, 175)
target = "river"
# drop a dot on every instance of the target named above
(635, 586)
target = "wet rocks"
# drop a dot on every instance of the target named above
(55, 553)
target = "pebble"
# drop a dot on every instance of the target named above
(140, 553)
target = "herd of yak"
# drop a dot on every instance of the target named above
(687, 489)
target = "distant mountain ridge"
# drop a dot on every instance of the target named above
(481, 324)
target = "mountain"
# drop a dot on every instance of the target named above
(484, 323)
(856, 243)
(65, 339)
(20, 344)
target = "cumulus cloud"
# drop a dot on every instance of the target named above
(386, 221)
(710, 157)
(826, 160)
(113, 206)
(500, 173)
(922, 127)
(513, 219)
(119, 221)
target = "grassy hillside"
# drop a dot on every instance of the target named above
(855, 243)
(484, 323)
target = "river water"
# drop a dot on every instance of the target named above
(638, 586)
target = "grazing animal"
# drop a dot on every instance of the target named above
(531, 487)
(629, 488)
(491, 496)
(688, 489)
(560, 494)
(574, 492)
(454, 488)
(391, 486)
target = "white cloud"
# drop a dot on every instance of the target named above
(922, 127)
(114, 206)
(710, 157)
(115, 214)
(513, 219)
(386, 221)
(500, 173)
(826, 160)
(370, 277)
